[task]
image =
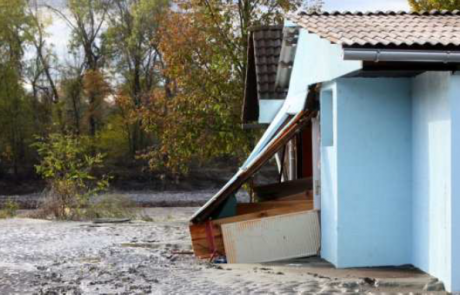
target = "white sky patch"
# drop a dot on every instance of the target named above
(366, 5)
(59, 36)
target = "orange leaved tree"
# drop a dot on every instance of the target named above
(203, 45)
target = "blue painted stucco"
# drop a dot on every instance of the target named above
(389, 193)
(329, 197)
(317, 61)
(436, 172)
(431, 174)
(455, 182)
(370, 168)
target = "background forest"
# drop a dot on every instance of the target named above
(151, 84)
(152, 87)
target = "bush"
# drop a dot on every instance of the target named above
(9, 209)
(67, 164)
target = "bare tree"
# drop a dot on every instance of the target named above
(86, 18)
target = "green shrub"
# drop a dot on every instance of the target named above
(9, 209)
(68, 163)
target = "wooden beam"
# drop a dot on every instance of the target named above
(284, 189)
(249, 208)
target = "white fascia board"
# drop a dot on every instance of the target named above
(318, 61)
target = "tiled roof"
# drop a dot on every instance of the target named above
(384, 29)
(267, 47)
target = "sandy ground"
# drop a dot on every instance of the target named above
(49, 257)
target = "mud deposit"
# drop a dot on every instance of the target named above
(48, 257)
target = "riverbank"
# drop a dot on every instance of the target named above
(145, 191)
(138, 198)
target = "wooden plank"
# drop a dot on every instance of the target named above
(262, 214)
(307, 196)
(284, 189)
(258, 207)
(299, 184)
(198, 231)
(202, 251)
(200, 243)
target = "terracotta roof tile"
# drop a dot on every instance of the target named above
(384, 29)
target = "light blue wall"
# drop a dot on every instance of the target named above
(432, 174)
(317, 61)
(390, 179)
(371, 211)
(374, 172)
(436, 172)
(455, 210)
(329, 198)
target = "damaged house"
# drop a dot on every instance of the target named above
(360, 111)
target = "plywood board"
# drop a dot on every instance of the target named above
(274, 238)
(200, 241)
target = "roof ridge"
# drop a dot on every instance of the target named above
(379, 12)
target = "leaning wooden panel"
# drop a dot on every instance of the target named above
(307, 196)
(284, 189)
(272, 239)
(201, 239)
(247, 208)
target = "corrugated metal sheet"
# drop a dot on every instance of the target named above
(272, 239)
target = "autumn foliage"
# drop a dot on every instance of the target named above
(152, 82)
(197, 117)
(427, 5)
